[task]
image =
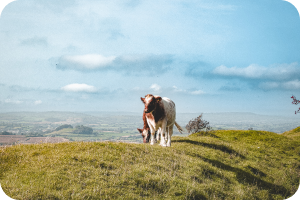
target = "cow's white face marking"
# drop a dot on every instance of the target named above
(148, 99)
(145, 132)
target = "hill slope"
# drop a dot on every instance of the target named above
(213, 165)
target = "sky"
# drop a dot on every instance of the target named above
(208, 56)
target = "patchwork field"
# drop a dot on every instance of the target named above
(123, 126)
(21, 139)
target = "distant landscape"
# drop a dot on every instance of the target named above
(52, 127)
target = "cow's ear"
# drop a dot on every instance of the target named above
(158, 99)
(140, 130)
(143, 99)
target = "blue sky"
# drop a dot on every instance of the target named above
(99, 55)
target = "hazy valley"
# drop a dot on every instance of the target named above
(31, 127)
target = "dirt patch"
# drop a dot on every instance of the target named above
(20, 139)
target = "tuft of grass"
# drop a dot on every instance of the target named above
(206, 165)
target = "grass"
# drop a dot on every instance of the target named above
(205, 165)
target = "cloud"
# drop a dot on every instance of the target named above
(151, 64)
(76, 87)
(283, 85)
(34, 41)
(279, 72)
(11, 101)
(292, 85)
(190, 91)
(197, 92)
(85, 62)
(155, 87)
(38, 102)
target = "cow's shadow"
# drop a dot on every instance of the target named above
(212, 146)
(245, 177)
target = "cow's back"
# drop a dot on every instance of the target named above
(170, 110)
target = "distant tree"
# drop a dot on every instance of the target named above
(197, 124)
(83, 130)
(295, 101)
(63, 126)
(6, 133)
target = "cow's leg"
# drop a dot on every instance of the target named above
(163, 134)
(152, 139)
(170, 133)
(158, 134)
(166, 135)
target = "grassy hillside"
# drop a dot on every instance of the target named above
(213, 165)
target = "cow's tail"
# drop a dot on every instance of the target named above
(178, 127)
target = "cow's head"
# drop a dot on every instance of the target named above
(150, 102)
(146, 134)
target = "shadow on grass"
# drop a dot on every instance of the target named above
(212, 146)
(247, 178)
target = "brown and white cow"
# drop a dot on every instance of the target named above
(160, 113)
(145, 132)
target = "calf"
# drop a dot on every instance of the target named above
(160, 113)
(145, 132)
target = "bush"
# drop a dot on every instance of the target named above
(6, 133)
(63, 126)
(197, 124)
(83, 130)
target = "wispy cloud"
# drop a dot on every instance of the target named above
(76, 87)
(285, 85)
(12, 101)
(38, 102)
(157, 89)
(190, 91)
(151, 64)
(279, 72)
(85, 62)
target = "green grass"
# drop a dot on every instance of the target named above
(214, 165)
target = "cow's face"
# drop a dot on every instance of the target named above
(150, 102)
(145, 134)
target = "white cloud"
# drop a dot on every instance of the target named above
(252, 71)
(11, 101)
(278, 72)
(152, 64)
(76, 87)
(286, 85)
(294, 85)
(197, 92)
(192, 92)
(155, 87)
(38, 102)
(89, 61)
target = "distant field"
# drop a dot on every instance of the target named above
(20, 139)
(123, 126)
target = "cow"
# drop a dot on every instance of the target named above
(145, 132)
(160, 114)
